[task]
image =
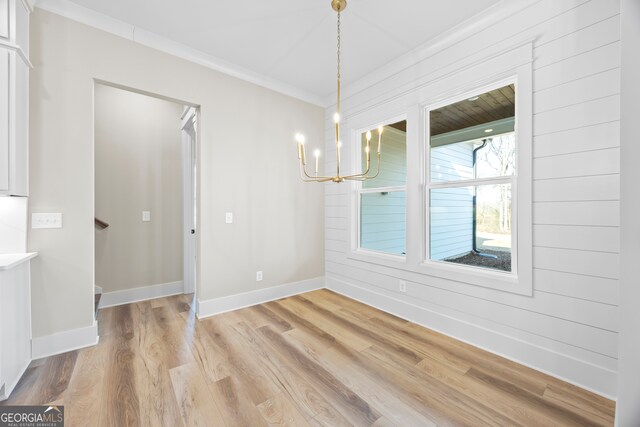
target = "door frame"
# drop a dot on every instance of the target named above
(189, 151)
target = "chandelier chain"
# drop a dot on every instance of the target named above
(338, 46)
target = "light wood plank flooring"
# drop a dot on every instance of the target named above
(317, 359)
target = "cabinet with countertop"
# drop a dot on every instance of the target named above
(15, 319)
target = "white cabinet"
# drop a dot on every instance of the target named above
(14, 97)
(4, 19)
(15, 322)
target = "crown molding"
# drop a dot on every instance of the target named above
(28, 4)
(119, 28)
(466, 29)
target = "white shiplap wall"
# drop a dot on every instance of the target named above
(569, 326)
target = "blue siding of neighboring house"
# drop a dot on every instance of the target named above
(451, 218)
(383, 216)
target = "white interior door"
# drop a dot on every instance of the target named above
(189, 138)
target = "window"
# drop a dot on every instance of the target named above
(382, 201)
(453, 201)
(472, 181)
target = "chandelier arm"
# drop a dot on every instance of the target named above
(364, 176)
(303, 170)
(378, 171)
(358, 175)
(318, 179)
(308, 178)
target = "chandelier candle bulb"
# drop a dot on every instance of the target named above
(317, 154)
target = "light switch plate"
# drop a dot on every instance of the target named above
(46, 220)
(228, 218)
(146, 216)
(258, 276)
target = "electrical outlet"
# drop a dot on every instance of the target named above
(258, 276)
(228, 218)
(146, 216)
(402, 286)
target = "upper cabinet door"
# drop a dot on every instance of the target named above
(21, 26)
(4, 19)
(14, 97)
(5, 67)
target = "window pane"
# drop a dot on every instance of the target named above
(393, 165)
(472, 226)
(383, 222)
(452, 162)
(497, 157)
(474, 138)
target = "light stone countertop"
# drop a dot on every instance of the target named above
(8, 261)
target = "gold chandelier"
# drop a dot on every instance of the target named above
(338, 6)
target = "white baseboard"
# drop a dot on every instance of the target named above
(247, 299)
(8, 388)
(50, 345)
(110, 299)
(594, 378)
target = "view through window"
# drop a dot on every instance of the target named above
(383, 200)
(470, 187)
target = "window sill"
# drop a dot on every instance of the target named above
(381, 258)
(493, 279)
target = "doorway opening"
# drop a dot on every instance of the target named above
(145, 209)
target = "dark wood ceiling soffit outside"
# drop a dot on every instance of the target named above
(488, 107)
(400, 125)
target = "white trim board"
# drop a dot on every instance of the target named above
(119, 28)
(127, 296)
(596, 379)
(62, 342)
(247, 299)
(5, 392)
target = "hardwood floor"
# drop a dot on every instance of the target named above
(317, 359)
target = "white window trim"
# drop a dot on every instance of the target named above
(514, 62)
(520, 279)
(357, 252)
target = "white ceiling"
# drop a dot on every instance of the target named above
(293, 41)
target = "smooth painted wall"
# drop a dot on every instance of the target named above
(13, 225)
(138, 167)
(569, 326)
(246, 163)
